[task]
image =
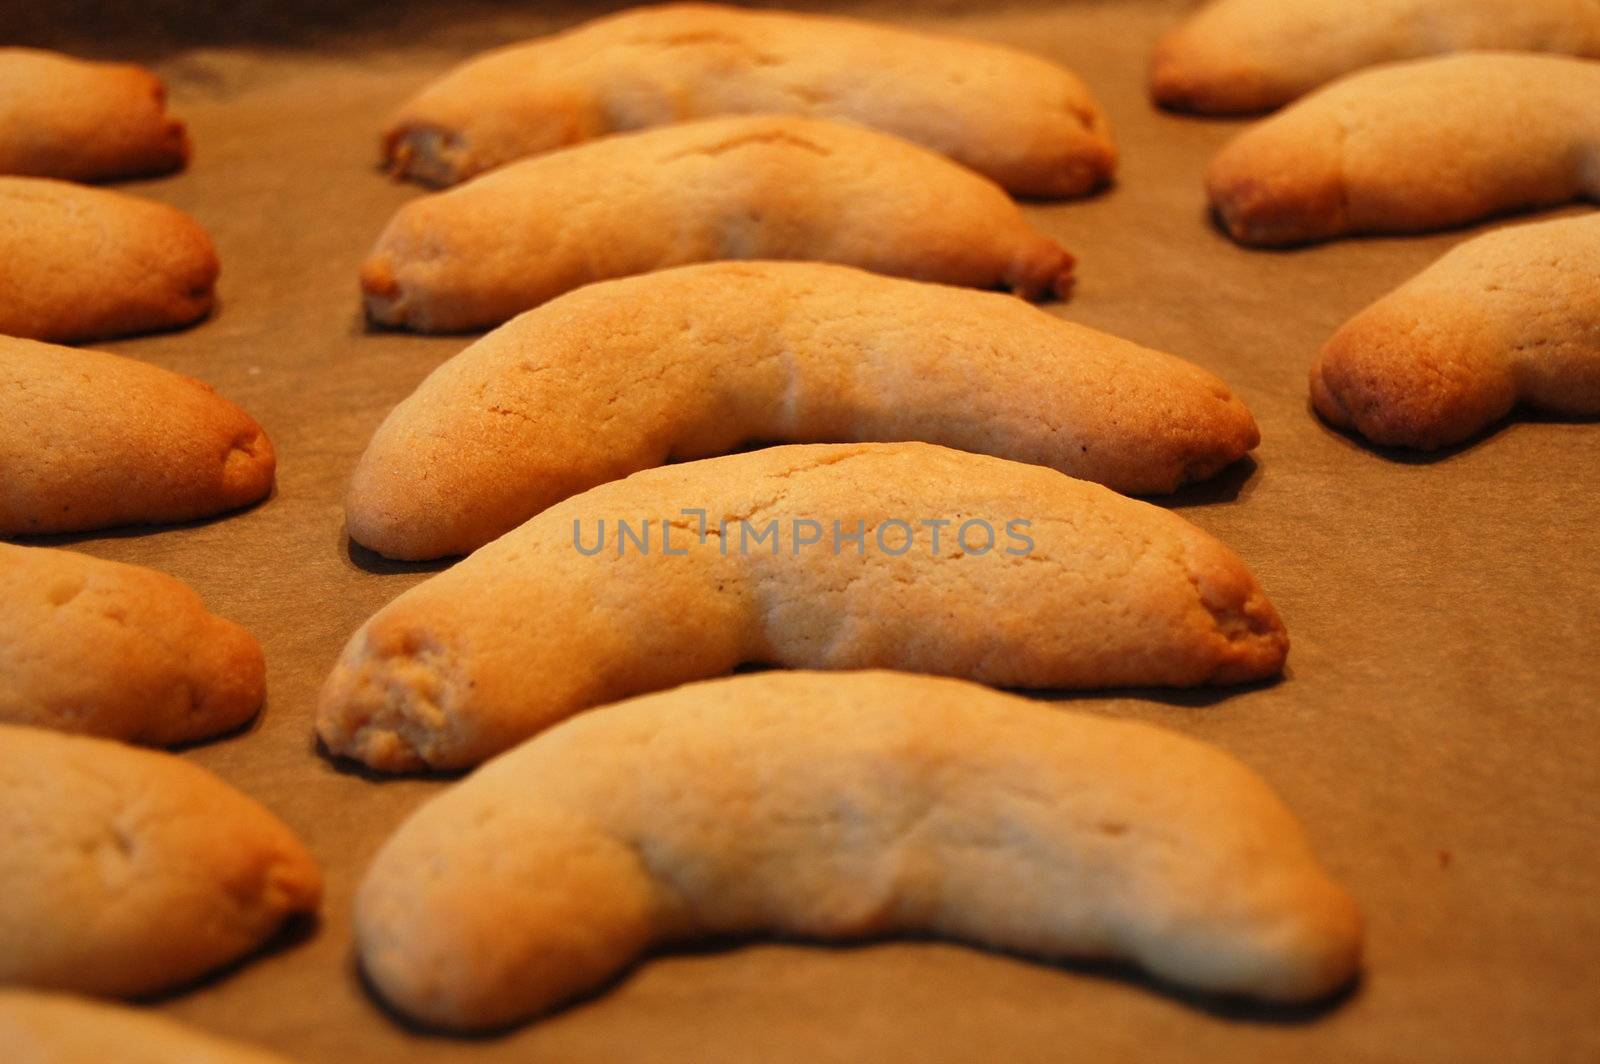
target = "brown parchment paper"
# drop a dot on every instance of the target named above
(1438, 730)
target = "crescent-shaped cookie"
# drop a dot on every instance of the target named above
(92, 440)
(695, 361)
(126, 871)
(762, 187)
(964, 565)
(42, 1028)
(118, 651)
(80, 121)
(1244, 56)
(1509, 317)
(1023, 121)
(1415, 146)
(845, 806)
(82, 263)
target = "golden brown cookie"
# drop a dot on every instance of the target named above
(82, 263)
(1509, 317)
(118, 651)
(695, 361)
(40, 1028)
(126, 871)
(1242, 56)
(81, 121)
(1415, 146)
(91, 440)
(845, 806)
(763, 187)
(1019, 119)
(832, 556)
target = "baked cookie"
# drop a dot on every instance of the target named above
(1244, 56)
(845, 806)
(1415, 146)
(81, 121)
(763, 187)
(126, 872)
(38, 1028)
(91, 440)
(82, 263)
(1021, 120)
(119, 651)
(1513, 316)
(833, 556)
(695, 361)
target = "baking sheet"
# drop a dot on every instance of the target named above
(1436, 732)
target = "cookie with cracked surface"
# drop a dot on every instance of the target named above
(1506, 318)
(1033, 579)
(45, 1028)
(845, 806)
(696, 361)
(83, 121)
(1023, 121)
(82, 263)
(1415, 146)
(93, 440)
(118, 651)
(762, 187)
(127, 872)
(1245, 56)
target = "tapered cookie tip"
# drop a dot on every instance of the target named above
(1170, 85)
(425, 153)
(175, 149)
(249, 467)
(240, 666)
(1264, 195)
(1045, 270)
(1400, 382)
(1253, 642)
(1190, 75)
(394, 699)
(380, 291)
(1329, 949)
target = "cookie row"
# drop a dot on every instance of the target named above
(1259, 197)
(125, 872)
(1404, 147)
